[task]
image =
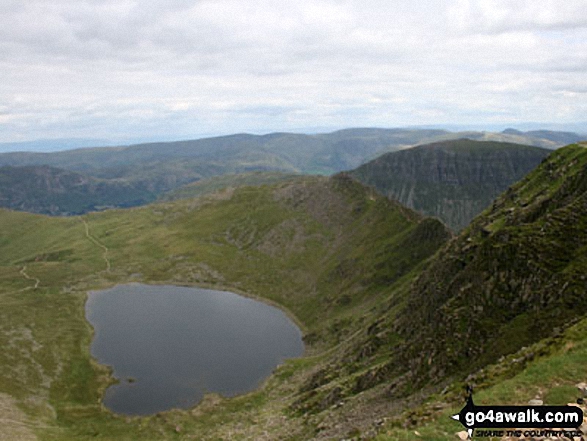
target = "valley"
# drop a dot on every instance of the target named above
(398, 314)
(295, 249)
(76, 181)
(293, 221)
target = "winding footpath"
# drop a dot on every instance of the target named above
(98, 243)
(26, 276)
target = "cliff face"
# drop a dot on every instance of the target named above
(516, 275)
(451, 180)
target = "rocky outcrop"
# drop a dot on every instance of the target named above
(516, 275)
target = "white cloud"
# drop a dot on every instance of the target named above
(496, 16)
(113, 68)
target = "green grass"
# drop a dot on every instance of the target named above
(551, 376)
(311, 246)
(340, 259)
(214, 184)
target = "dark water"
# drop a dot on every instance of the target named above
(174, 344)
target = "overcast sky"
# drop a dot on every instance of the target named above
(184, 68)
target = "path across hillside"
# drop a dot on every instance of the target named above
(26, 276)
(98, 243)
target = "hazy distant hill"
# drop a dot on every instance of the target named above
(555, 137)
(451, 180)
(49, 190)
(150, 170)
(51, 145)
(322, 153)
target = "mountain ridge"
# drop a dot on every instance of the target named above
(518, 266)
(381, 292)
(149, 170)
(319, 247)
(315, 151)
(451, 180)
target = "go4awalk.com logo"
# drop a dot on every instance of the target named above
(499, 420)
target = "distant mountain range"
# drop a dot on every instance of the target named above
(557, 138)
(52, 145)
(537, 130)
(451, 180)
(400, 317)
(323, 153)
(137, 174)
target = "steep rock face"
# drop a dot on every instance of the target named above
(49, 190)
(516, 275)
(451, 180)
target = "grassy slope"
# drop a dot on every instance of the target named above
(325, 249)
(505, 288)
(548, 370)
(217, 183)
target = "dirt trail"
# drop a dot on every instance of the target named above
(26, 276)
(98, 243)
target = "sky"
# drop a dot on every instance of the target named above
(173, 69)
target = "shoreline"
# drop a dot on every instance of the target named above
(109, 371)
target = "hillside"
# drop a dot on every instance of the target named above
(53, 191)
(397, 315)
(217, 183)
(49, 190)
(516, 275)
(451, 180)
(189, 160)
(493, 302)
(148, 171)
(326, 250)
(502, 307)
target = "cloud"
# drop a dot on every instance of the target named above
(498, 16)
(102, 68)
